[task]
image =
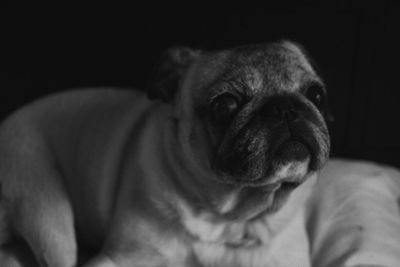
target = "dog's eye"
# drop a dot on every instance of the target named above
(316, 95)
(224, 106)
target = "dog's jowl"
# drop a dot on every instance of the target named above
(213, 167)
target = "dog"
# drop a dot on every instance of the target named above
(212, 167)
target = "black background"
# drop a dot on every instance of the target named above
(52, 47)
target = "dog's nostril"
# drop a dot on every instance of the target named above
(285, 112)
(291, 114)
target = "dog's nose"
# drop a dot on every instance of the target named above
(285, 111)
(281, 108)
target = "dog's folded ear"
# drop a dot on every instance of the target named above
(293, 45)
(169, 72)
(328, 115)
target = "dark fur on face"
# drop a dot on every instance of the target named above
(261, 109)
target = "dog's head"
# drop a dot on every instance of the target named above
(254, 116)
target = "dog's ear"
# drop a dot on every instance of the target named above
(169, 72)
(327, 112)
(328, 115)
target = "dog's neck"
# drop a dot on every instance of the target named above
(209, 227)
(195, 184)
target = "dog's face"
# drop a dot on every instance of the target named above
(253, 116)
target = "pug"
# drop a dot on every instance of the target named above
(212, 168)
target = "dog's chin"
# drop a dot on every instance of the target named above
(256, 201)
(286, 170)
(291, 162)
(291, 151)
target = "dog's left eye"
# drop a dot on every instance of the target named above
(316, 95)
(224, 106)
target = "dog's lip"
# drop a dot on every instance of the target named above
(259, 182)
(298, 144)
(266, 185)
(291, 145)
(312, 150)
(295, 141)
(283, 186)
(290, 142)
(277, 192)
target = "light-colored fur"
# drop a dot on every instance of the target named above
(256, 242)
(41, 204)
(131, 178)
(85, 134)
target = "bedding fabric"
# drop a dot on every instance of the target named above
(354, 216)
(352, 220)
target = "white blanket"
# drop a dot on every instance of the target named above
(354, 218)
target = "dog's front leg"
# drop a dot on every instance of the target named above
(137, 242)
(40, 212)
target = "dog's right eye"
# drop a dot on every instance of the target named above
(223, 107)
(315, 94)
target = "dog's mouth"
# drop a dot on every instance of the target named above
(270, 177)
(282, 193)
(292, 150)
(289, 159)
(256, 201)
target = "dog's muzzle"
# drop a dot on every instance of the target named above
(278, 134)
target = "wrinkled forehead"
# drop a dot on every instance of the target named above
(260, 68)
